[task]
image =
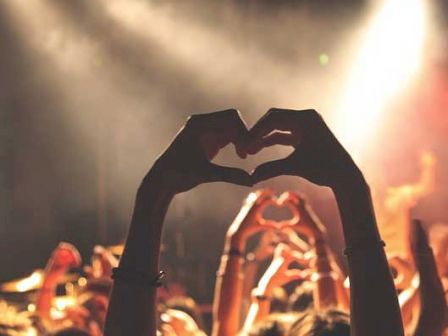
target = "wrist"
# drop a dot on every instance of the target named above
(152, 187)
(262, 291)
(356, 210)
(350, 182)
(235, 242)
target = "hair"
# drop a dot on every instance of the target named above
(187, 305)
(327, 323)
(273, 325)
(71, 332)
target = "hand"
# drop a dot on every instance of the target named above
(186, 162)
(318, 155)
(103, 261)
(306, 221)
(180, 322)
(278, 272)
(65, 256)
(266, 245)
(404, 271)
(289, 236)
(249, 220)
(419, 240)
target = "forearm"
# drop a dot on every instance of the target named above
(228, 291)
(132, 307)
(433, 304)
(250, 278)
(259, 308)
(408, 300)
(325, 292)
(374, 303)
(45, 296)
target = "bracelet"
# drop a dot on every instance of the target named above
(364, 246)
(135, 276)
(235, 253)
(262, 297)
(323, 275)
(258, 295)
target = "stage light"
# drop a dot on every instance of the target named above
(389, 55)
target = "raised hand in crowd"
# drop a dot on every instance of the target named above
(184, 165)
(320, 158)
(64, 257)
(433, 306)
(277, 275)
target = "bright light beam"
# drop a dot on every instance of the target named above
(389, 56)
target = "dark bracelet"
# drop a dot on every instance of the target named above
(235, 253)
(365, 246)
(139, 277)
(262, 298)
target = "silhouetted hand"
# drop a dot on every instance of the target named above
(186, 162)
(318, 155)
(432, 299)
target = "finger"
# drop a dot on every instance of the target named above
(227, 123)
(295, 274)
(217, 173)
(290, 197)
(273, 120)
(271, 169)
(281, 250)
(264, 197)
(274, 138)
(258, 197)
(268, 224)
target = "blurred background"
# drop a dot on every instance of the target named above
(92, 91)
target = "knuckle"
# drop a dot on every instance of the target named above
(274, 110)
(232, 114)
(314, 114)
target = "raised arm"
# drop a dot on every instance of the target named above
(184, 165)
(277, 274)
(228, 296)
(431, 321)
(327, 275)
(64, 257)
(320, 158)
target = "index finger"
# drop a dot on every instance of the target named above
(273, 120)
(227, 123)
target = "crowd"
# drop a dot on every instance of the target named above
(289, 284)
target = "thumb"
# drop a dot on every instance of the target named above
(217, 173)
(272, 169)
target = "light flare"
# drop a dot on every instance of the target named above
(389, 57)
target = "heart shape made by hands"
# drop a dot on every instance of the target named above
(283, 203)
